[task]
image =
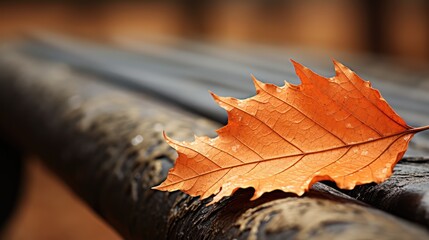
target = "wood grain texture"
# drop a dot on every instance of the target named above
(106, 144)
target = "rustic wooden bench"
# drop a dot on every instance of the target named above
(95, 116)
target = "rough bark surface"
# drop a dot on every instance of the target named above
(107, 145)
(405, 194)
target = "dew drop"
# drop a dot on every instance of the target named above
(384, 170)
(364, 153)
(137, 140)
(241, 104)
(348, 125)
(279, 90)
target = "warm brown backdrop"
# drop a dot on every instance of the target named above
(49, 211)
(399, 28)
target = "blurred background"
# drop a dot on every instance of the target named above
(395, 29)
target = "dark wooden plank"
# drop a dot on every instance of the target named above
(107, 145)
(405, 194)
(181, 74)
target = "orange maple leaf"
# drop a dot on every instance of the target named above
(289, 137)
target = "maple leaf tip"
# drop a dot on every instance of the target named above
(169, 140)
(305, 74)
(336, 62)
(293, 61)
(214, 96)
(258, 84)
(339, 67)
(254, 79)
(223, 102)
(218, 99)
(256, 195)
(158, 187)
(296, 64)
(211, 203)
(300, 70)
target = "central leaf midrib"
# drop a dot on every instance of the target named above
(408, 131)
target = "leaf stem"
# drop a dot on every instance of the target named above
(419, 129)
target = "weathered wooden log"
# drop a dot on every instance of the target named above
(106, 144)
(405, 194)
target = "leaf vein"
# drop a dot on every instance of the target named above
(305, 115)
(400, 134)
